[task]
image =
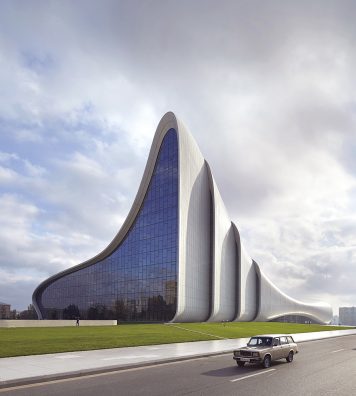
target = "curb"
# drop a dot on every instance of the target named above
(109, 369)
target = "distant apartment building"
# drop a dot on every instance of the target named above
(335, 320)
(347, 316)
(5, 311)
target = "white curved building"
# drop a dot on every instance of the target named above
(177, 257)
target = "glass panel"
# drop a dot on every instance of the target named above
(138, 281)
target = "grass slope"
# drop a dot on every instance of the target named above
(34, 341)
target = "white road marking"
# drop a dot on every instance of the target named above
(338, 350)
(252, 375)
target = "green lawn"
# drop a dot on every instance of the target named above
(34, 341)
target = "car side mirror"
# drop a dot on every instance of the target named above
(275, 343)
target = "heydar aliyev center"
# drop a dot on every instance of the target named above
(177, 257)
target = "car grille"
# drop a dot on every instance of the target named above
(245, 353)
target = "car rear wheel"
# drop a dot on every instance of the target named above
(290, 356)
(240, 364)
(266, 361)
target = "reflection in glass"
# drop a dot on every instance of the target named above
(138, 281)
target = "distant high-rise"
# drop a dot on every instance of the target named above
(5, 311)
(347, 316)
(177, 257)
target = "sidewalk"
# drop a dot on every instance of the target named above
(37, 368)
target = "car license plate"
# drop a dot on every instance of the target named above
(245, 359)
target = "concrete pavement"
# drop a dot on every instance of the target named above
(37, 368)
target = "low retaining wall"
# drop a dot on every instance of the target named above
(55, 323)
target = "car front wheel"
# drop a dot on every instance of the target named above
(240, 364)
(290, 356)
(266, 361)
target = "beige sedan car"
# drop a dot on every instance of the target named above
(266, 348)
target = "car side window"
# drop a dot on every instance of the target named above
(276, 341)
(284, 340)
(290, 340)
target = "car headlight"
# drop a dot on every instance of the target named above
(256, 354)
(237, 353)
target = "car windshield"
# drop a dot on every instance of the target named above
(260, 341)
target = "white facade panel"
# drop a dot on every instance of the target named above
(224, 270)
(273, 303)
(194, 232)
(247, 295)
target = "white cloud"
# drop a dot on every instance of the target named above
(7, 175)
(267, 90)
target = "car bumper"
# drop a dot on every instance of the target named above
(248, 359)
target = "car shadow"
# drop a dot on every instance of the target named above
(234, 370)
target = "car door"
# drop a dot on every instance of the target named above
(292, 344)
(277, 349)
(284, 347)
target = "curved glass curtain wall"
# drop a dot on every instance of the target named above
(138, 281)
(295, 319)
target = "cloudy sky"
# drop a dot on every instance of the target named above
(267, 88)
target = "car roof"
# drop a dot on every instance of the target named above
(272, 335)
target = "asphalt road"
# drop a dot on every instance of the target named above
(326, 367)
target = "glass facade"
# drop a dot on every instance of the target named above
(295, 319)
(138, 281)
